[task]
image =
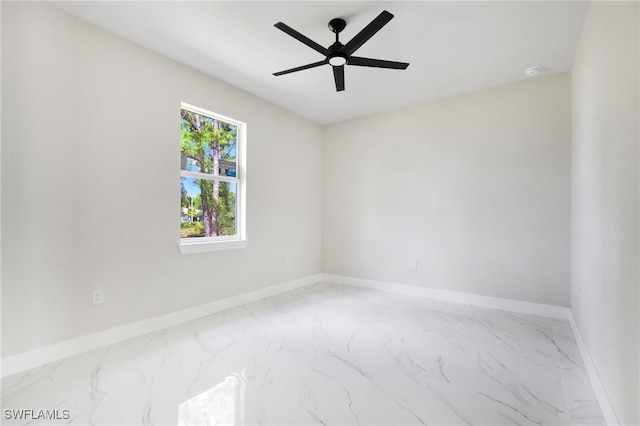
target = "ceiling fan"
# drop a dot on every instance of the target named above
(338, 55)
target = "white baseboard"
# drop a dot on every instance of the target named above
(37, 357)
(605, 405)
(550, 311)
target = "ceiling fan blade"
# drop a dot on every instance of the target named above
(303, 67)
(377, 63)
(338, 76)
(366, 33)
(302, 38)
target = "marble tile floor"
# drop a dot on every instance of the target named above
(325, 354)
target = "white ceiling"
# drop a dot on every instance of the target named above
(453, 46)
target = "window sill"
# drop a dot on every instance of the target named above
(190, 247)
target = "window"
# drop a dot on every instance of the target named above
(212, 182)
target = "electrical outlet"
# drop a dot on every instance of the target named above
(413, 265)
(97, 296)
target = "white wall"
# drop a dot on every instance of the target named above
(476, 188)
(90, 183)
(605, 199)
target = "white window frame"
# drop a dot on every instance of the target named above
(227, 242)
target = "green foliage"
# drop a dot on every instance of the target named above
(191, 229)
(226, 210)
(205, 141)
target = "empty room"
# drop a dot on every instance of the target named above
(320, 213)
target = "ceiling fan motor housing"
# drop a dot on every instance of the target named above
(337, 58)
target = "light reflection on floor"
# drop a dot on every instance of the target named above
(221, 405)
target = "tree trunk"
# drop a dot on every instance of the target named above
(216, 171)
(208, 216)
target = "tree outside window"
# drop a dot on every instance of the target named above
(209, 181)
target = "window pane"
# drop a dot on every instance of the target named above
(227, 208)
(208, 208)
(208, 144)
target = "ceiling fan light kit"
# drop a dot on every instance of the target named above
(338, 55)
(337, 60)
